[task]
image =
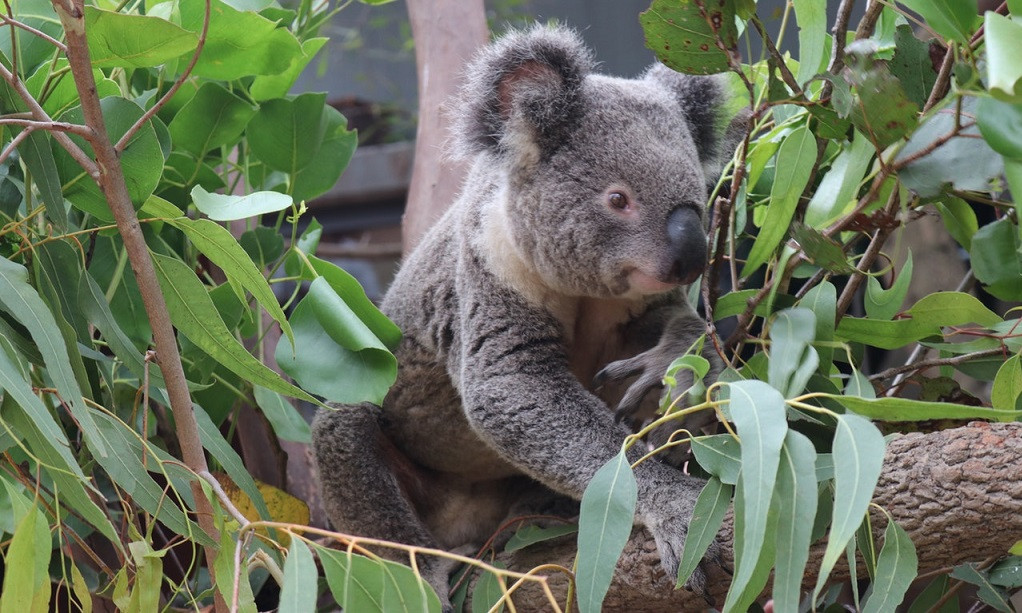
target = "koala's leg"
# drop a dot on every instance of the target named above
(367, 485)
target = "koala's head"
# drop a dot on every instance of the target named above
(602, 180)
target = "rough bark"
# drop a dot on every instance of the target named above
(955, 492)
(446, 33)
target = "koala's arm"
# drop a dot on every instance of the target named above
(520, 396)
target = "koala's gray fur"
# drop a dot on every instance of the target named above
(531, 284)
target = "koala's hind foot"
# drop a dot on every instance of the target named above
(364, 494)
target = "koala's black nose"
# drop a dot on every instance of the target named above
(687, 240)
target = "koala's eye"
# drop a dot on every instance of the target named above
(618, 201)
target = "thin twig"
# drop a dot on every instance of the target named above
(872, 251)
(126, 138)
(43, 35)
(50, 126)
(837, 50)
(869, 20)
(936, 144)
(789, 79)
(943, 82)
(912, 367)
(223, 497)
(9, 149)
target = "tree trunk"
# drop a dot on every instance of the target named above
(446, 33)
(955, 492)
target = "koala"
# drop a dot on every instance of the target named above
(562, 262)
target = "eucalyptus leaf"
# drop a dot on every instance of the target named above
(375, 586)
(287, 134)
(213, 117)
(298, 592)
(1004, 47)
(885, 304)
(996, 254)
(896, 569)
(796, 493)
(952, 19)
(719, 455)
(686, 40)
(119, 40)
(707, 517)
(223, 207)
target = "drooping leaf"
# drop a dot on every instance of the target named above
(812, 37)
(532, 534)
(228, 458)
(885, 304)
(988, 593)
(881, 109)
(792, 358)
(211, 118)
(896, 569)
(145, 592)
(930, 595)
(119, 40)
(707, 517)
(959, 219)
(839, 185)
(335, 354)
(287, 134)
(194, 315)
(1004, 47)
(966, 162)
(22, 302)
(796, 493)
(758, 412)
(1000, 123)
(224, 570)
(487, 593)
(298, 592)
(1007, 391)
(321, 173)
(26, 585)
(361, 584)
(347, 286)
(822, 300)
(287, 423)
(912, 66)
(858, 456)
(821, 250)
(952, 19)
(892, 408)
(796, 155)
(687, 35)
(604, 523)
(996, 254)
(224, 207)
(719, 455)
(217, 244)
(755, 564)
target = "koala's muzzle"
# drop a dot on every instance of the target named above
(687, 240)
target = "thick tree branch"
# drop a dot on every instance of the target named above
(946, 489)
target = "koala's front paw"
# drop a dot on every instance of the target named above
(650, 367)
(667, 516)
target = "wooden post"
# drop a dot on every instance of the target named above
(446, 33)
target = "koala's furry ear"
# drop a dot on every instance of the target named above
(526, 85)
(702, 99)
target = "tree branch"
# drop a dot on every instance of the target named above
(946, 489)
(111, 181)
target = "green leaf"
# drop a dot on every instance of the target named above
(719, 455)
(145, 592)
(21, 301)
(885, 304)
(822, 300)
(1007, 572)
(839, 186)
(224, 569)
(26, 583)
(336, 355)
(758, 412)
(322, 172)
(796, 155)
(796, 494)
(952, 19)
(240, 43)
(488, 592)
(990, 594)
(858, 456)
(532, 534)
(298, 593)
(604, 523)
(1004, 47)
(267, 87)
(859, 386)
(733, 303)
(966, 162)
(821, 250)
(1000, 123)
(930, 595)
(287, 422)
(81, 589)
(925, 319)
(287, 134)
(912, 66)
(141, 160)
(118, 40)
(1007, 390)
(892, 408)
(881, 108)
(349, 288)
(812, 37)
(222, 207)
(792, 358)
(375, 586)
(228, 458)
(217, 244)
(707, 517)
(194, 315)
(755, 564)
(996, 254)
(264, 245)
(688, 41)
(896, 569)
(213, 117)
(959, 219)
